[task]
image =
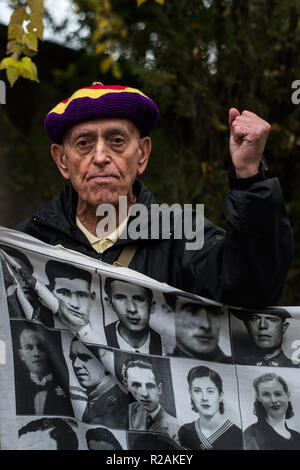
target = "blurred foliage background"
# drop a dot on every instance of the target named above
(196, 59)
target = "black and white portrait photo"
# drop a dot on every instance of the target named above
(41, 375)
(270, 404)
(22, 299)
(128, 310)
(201, 330)
(97, 397)
(48, 434)
(207, 405)
(149, 382)
(265, 337)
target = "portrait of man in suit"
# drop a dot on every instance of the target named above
(41, 377)
(133, 306)
(146, 413)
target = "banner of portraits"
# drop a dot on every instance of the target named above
(98, 357)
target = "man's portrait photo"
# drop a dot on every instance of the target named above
(259, 337)
(143, 379)
(106, 401)
(48, 434)
(72, 286)
(41, 374)
(133, 306)
(198, 329)
(22, 299)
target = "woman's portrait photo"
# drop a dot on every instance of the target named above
(212, 428)
(272, 408)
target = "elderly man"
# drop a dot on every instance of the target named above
(101, 144)
(141, 379)
(266, 329)
(133, 306)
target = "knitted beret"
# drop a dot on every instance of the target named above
(99, 101)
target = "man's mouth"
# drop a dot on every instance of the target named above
(264, 337)
(204, 338)
(134, 321)
(102, 178)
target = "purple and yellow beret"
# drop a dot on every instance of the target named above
(98, 101)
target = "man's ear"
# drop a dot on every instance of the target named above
(144, 153)
(93, 295)
(284, 326)
(59, 156)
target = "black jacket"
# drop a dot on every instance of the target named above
(246, 266)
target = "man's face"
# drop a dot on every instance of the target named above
(141, 383)
(102, 158)
(89, 370)
(131, 304)
(33, 354)
(266, 330)
(197, 328)
(75, 301)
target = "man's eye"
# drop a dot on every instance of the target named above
(82, 143)
(117, 141)
(82, 295)
(119, 297)
(137, 298)
(64, 292)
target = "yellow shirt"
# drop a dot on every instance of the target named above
(102, 244)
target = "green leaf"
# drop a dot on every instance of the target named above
(9, 62)
(30, 40)
(36, 6)
(15, 31)
(18, 16)
(12, 74)
(140, 2)
(28, 69)
(161, 2)
(36, 25)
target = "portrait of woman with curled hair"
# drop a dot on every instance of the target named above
(273, 407)
(212, 430)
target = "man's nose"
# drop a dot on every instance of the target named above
(204, 320)
(131, 306)
(74, 301)
(263, 324)
(100, 152)
(144, 391)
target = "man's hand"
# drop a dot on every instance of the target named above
(248, 136)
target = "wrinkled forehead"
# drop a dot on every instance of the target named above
(101, 126)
